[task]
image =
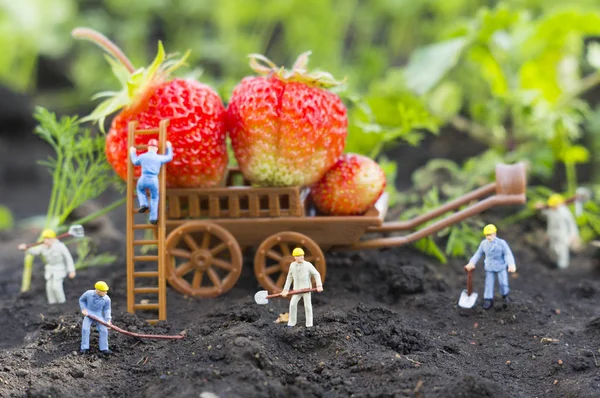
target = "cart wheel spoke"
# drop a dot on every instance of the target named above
(222, 264)
(212, 274)
(281, 280)
(183, 269)
(272, 269)
(285, 249)
(272, 254)
(218, 249)
(181, 253)
(310, 259)
(190, 242)
(205, 240)
(197, 281)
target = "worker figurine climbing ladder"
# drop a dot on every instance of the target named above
(97, 303)
(300, 274)
(59, 264)
(498, 260)
(151, 163)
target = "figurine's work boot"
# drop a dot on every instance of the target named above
(487, 304)
(84, 352)
(506, 299)
(154, 222)
(106, 352)
(143, 209)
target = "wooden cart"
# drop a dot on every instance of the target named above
(202, 233)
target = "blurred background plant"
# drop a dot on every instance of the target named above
(511, 76)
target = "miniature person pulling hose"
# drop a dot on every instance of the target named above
(151, 163)
(498, 260)
(96, 303)
(562, 230)
(59, 264)
(300, 273)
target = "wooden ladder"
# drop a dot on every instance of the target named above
(155, 296)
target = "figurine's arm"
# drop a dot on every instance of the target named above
(107, 309)
(315, 274)
(83, 303)
(288, 281)
(473, 261)
(509, 258)
(35, 250)
(135, 159)
(167, 157)
(68, 259)
(572, 226)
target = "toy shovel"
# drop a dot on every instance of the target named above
(262, 296)
(76, 231)
(467, 297)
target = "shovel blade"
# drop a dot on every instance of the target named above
(466, 301)
(261, 297)
(76, 231)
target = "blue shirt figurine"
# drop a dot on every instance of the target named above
(151, 163)
(95, 303)
(499, 260)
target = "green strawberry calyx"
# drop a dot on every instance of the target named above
(136, 84)
(299, 72)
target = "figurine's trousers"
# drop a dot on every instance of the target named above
(562, 251)
(151, 184)
(85, 334)
(54, 290)
(502, 276)
(307, 309)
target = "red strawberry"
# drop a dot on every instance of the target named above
(285, 129)
(350, 187)
(196, 113)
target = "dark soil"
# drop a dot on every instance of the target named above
(387, 325)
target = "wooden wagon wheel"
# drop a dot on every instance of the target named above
(204, 259)
(274, 256)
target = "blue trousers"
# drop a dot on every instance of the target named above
(488, 294)
(150, 183)
(85, 334)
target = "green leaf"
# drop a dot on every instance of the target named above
(446, 100)
(575, 154)
(6, 218)
(429, 64)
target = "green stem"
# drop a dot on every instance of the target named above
(587, 83)
(101, 212)
(27, 271)
(104, 43)
(571, 174)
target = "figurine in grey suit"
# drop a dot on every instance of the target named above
(300, 274)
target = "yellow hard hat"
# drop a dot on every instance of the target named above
(298, 252)
(102, 286)
(555, 200)
(48, 234)
(489, 229)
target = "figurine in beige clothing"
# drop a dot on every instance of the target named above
(300, 274)
(59, 264)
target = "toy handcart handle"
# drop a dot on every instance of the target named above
(510, 188)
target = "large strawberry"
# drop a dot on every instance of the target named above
(350, 187)
(285, 128)
(195, 110)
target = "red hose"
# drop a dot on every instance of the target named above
(141, 336)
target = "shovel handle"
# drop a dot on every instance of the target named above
(66, 234)
(292, 292)
(469, 282)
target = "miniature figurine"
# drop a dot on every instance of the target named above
(97, 303)
(299, 273)
(59, 264)
(562, 230)
(498, 260)
(151, 163)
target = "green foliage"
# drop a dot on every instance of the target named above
(79, 169)
(6, 218)
(87, 257)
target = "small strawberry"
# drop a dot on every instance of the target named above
(285, 129)
(196, 113)
(350, 187)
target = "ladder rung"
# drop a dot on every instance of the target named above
(142, 290)
(146, 131)
(145, 258)
(151, 306)
(142, 242)
(144, 226)
(153, 321)
(145, 274)
(141, 146)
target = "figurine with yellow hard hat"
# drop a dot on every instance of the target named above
(59, 264)
(97, 303)
(300, 274)
(499, 261)
(561, 230)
